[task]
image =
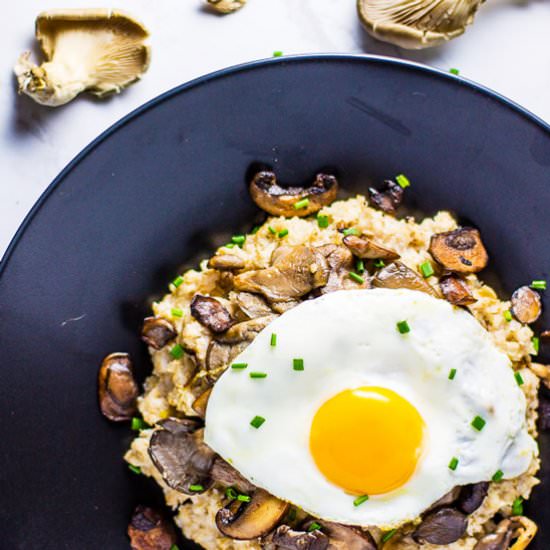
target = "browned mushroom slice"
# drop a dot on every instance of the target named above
(447, 499)
(180, 455)
(442, 526)
(520, 528)
(292, 201)
(285, 538)
(456, 291)
(526, 305)
(118, 390)
(340, 263)
(210, 313)
(471, 496)
(157, 332)
(247, 330)
(460, 250)
(149, 530)
(250, 520)
(200, 403)
(295, 271)
(251, 305)
(223, 473)
(226, 262)
(345, 537)
(368, 250)
(388, 198)
(398, 275)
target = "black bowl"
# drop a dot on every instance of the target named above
(165, 185)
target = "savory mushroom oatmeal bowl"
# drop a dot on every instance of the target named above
(337, 378)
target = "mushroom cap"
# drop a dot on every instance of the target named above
(416, 24)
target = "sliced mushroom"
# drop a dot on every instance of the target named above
(226, 262)
(223, 473)
(157, 332)
(455, 290)
(446, 500)
(117, 387)
(281, 201)
(96, 50)
(388, 198)
(245, 521)
(367, 249)
(471, 496)
(521, 528)
(149, 530)
(210, 313)
(340, 263)
(398, 275)
(526, 305)
(200, 403)
(345, 537)
(460, 250)
(285, 538)
(247, 330)
(251, 305)
(295, 271)
(180, 455)
(442, 526)
(414, 25)
(226, 6)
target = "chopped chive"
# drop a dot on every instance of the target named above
(174, 547)
(498, 475)
(257, 374)
(517, 507)
(282, 233)
(272, 230)
(177, 312)
(403, 327)
(389, 535)
(508, 315)
(452, 374)
(239, 365)
(539, 285)
(177, 281)
(322, 221)
(277, 53)
(304, 203)
(350, 231)
(313, 527)
(298, 364)
(230, 245)
(426, 269)
(379, 263)
(273, 341)
(360, 266)
(238, 239)
(454, 71)
(231, 493)
(135, 469)
(519, 378)
(255, 230)
(359, 500)
(257, 421)
(243, 498)
(478, 423)
(403, 181)
(196, 488)
(453, 463)
(355, 277)
(139, 424)
(536, 344)
(177, 352)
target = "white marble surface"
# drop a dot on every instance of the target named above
(507, 50)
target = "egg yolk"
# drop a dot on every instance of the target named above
(367, 440)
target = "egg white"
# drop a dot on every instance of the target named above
(349, 339)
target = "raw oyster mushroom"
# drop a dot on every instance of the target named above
(416, 24)
(96, 50)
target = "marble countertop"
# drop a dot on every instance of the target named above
(506, 49)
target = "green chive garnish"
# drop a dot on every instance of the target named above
(273, 341)
(536, 344)
(174, 547)
(177, 352)
(139, 424)
(517, 507)
(379, 263)
(177, 281)
(355, 277)
(244, 498)
(257, 421)
(322, 221)
(519, 378)
(350, 231)
(257, 375)
(452, 374)
(360, 266)
(454, 71)
(389, 535)
(426, 269)
(453, 463)
(196, 488)
(304, 203)
(282, 233)
(313, 527)
(239, 365)
(272, 230)
(230, 245)
(403, 180)
(238, 239)
(298, 364)
(498, 475)
(255, 230)
(539, 285)
(277, 53)
(359, 500)
(135, 469)
(508, 315)
(478, 423)
(403, 327)
(177, 312)
(231, 493)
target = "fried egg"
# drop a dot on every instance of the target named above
(364, 407)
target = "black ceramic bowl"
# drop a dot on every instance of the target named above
(167, 183)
